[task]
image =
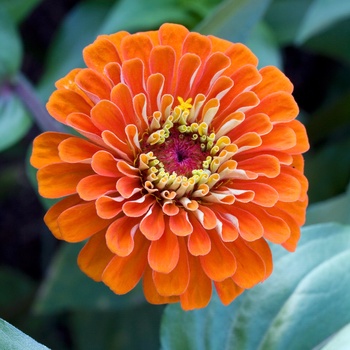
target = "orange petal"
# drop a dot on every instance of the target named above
(216, 63)
(122, 97)
(279, 106)
(151, 293)
(64, 102)
(107, 116)
(297, 174)
(275, 229)
(163, 254)
(197, 44)
(61, 179)
(296, 209)
(138, 207)
(259, 123)
(292, 241)
(228, 228)
(176, 281)
(272, 80)
(56, 210)
(264, 195)
(198, 241)
(198, 292)
(244, 78)
(80, 222)
(105, 164)
(261, 247)
(100, 53)
(95, 256)
(280, 138)
(123, 273)
(120, 147)
(109, 207)
(82, 123)
(133, 75)
(120, 236)
(288, 187)
(262, 164)
(113, 71)
(155, 87)
(74, 150)
(240, 56)
(302, 143)
(180, 224)
(250, 227)
(187, 70)
(128, 186)
(250, 267)
(137, 46)
(162, 60)
(152, 225)
(219, 263)
(206, 217)
(45, 149)
(93, 186)
(228, 290)
(173, 35)
(94, 84)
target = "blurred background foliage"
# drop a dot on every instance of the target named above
(44, 294)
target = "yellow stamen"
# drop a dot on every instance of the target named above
(185, 105)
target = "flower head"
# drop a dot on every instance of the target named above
(188, 162)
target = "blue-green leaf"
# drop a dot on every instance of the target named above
(68, 288)
(19, 9)
(336, 209)
(13, 339)
(234, 19)
(282, 313)
(339, 341)
(10, 47)
(14, 119)
(264, 45)
(321, 15)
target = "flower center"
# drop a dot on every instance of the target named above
(179, 156)
(180, 153)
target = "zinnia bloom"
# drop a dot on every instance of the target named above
(188, 161)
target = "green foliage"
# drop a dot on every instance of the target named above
(233, 20)
(13, 339)
(19, 9)
(282, 313)
(67, 288)
(10, 47)
(15, 120)
(321, 15)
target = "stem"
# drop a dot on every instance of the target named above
(25, 91)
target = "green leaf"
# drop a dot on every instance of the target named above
(234, 19)
(67, 288)
(264, 45)
(13, 339)
(321, 15)
(79, 28)
(336, 209)
(19, 9)
(18, 293)
(284, 17)
(340, 340)
(139, 15)
(14, 118)
(326, 174)
(10, 47)
(282, 313)
(334, 42)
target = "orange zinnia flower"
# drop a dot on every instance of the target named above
(189, 162)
